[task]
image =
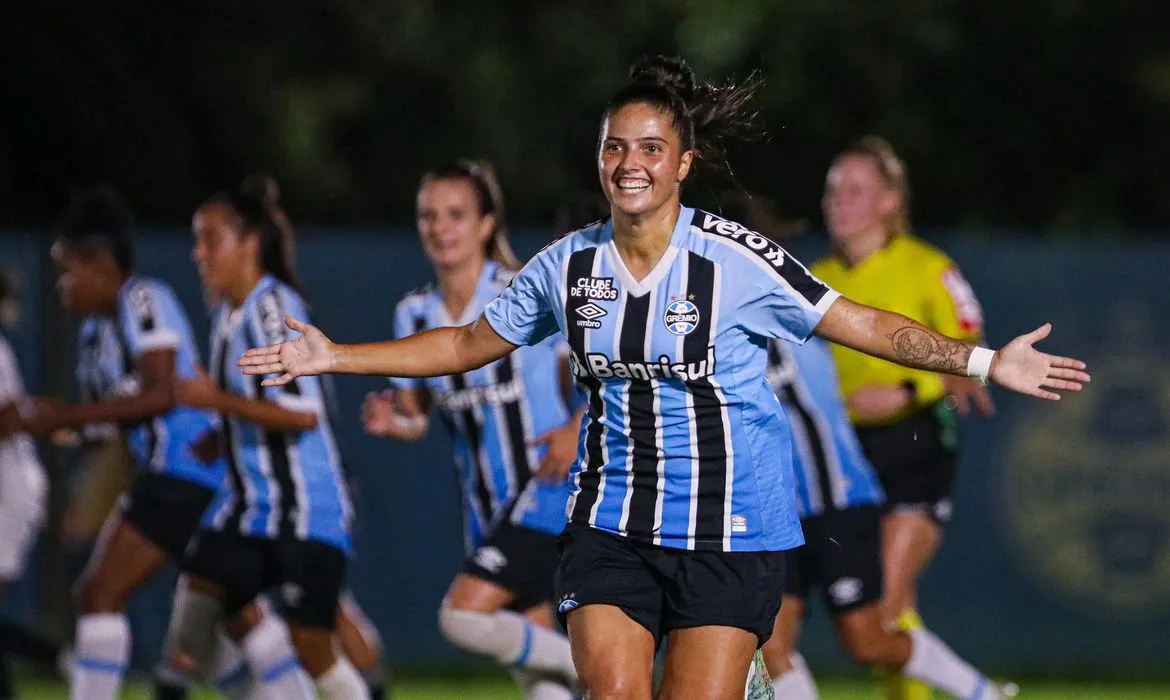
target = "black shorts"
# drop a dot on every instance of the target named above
(915, 461)
(520, 559)
(842, 554)
(307, 577)
(666, 589)
(166, 510)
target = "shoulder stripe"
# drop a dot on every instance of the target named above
(766, 254)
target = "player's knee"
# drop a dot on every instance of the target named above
(602, 682)
(467, 629)
(870, 647)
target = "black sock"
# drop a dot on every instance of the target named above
(6, 690)
(167, 691)
(17, 639)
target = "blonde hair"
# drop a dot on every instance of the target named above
(892, 171)
(486, 185)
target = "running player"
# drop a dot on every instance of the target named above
(839, 501)
(135, 343)
(515, 438)
(683, 506)
(23, 502)
(284, 524)
(905, 417)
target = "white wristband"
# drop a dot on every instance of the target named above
(979, 364)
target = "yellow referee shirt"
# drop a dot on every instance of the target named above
(915, 279)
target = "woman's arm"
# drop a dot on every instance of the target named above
(201, 392)
(156, 368)
(894, 337)
(433, 353)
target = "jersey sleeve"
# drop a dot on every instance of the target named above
(408, 320)
(955, 310)
(266, 319)
(783, 300)
(523, 314)
(150, 318)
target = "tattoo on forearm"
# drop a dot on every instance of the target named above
(919, 348)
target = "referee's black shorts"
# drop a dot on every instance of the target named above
(915, 461)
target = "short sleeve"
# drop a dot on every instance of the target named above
(956, 311)
(787, 302)
(523, 314)
(409, 319)
(268, 327)
(149, 318)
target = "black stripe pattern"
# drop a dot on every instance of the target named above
(710, 429)
(514, 424)
(589, 479)
(278, 457)
(640, 417)
(816, 442)
(227, 445)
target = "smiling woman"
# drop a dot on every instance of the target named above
(683, 507)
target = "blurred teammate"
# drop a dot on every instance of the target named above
(683, 507)
(839, 501)
(135, 344)
(905, 422)
(284, 523)
(515, 438)
(23, 501)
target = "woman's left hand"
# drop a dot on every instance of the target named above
(877, 402)
(562, 450)
(1022, 368)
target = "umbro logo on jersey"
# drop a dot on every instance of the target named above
(595, 288)
(681, 317)
(589, 314)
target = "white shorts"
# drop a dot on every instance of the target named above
(22, 514)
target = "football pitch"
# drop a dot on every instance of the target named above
(490, 688)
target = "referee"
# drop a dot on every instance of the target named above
(905, 417)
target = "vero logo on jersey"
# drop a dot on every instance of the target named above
(681, 317)
(768, 250)
(589, 314)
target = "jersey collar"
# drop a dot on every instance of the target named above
(650, 281)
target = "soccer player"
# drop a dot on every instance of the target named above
(515, 438)
(135, 343)
(904, 416)
(23, 502)
(285, 522)
(839, 502)
(683, 507)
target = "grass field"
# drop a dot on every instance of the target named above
(502, 689)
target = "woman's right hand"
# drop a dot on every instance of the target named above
(308, 355)
(381, 417)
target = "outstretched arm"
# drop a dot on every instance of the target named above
(890, 336)
(432, 353)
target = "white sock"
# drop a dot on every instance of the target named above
(933, 662)
(102, 652)
(797, 683)
(229, 671)
(271, 655)
(540, 687)
(342, 682)
(509, 638)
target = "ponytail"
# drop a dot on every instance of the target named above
(257, 204)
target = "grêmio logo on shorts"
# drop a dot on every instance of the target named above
(600, 365)
(594, 288)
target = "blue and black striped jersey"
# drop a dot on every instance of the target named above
(685, 444)
(284, 484)
(148, 317)
(493, 414)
